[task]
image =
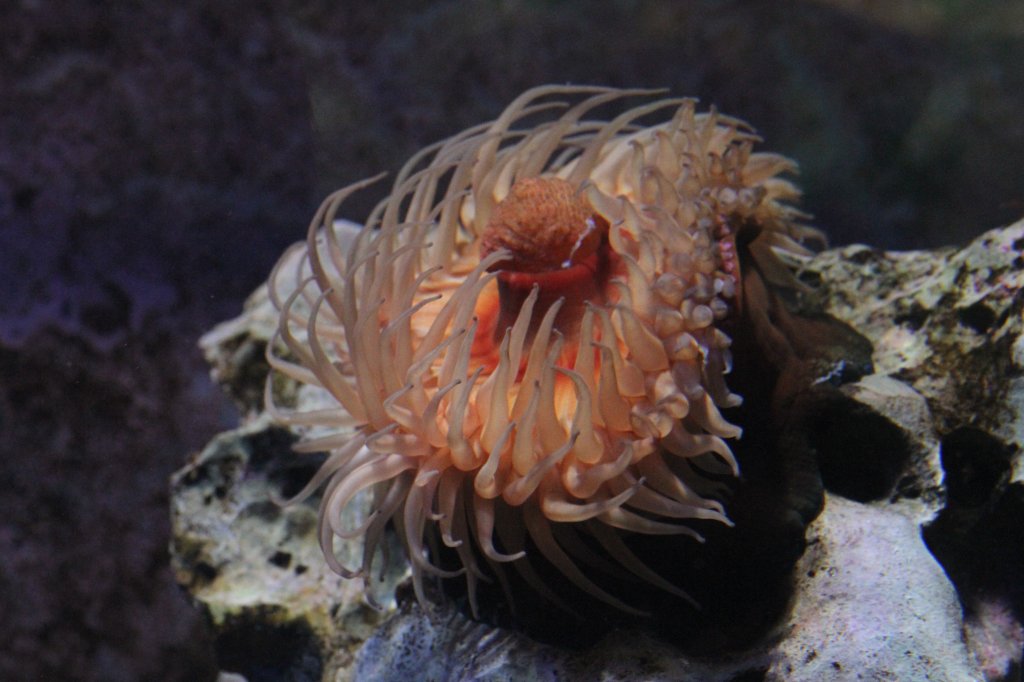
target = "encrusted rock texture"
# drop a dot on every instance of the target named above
(155, 159)
(912, 571)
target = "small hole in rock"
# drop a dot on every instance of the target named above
(977, 316)
(281, 559)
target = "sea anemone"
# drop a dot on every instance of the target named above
(524, 342)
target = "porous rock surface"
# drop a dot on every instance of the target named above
(912, 571)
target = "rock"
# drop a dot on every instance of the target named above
(944, 322)
(871, 603)
(256, 565)
(924, 503)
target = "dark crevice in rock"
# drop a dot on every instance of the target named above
(861, 453)
(978, 317)
(752, 675)
(288, 475)
(265, 651)
(914, 318)
(976, 464)
(977, 536)
(268, 446)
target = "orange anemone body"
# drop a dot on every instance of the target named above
(529, 323)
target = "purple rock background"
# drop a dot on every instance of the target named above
(155, 158)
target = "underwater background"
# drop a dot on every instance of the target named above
(156, 159)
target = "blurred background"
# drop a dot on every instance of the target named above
(155, 159)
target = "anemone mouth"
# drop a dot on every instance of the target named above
(537, 336)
